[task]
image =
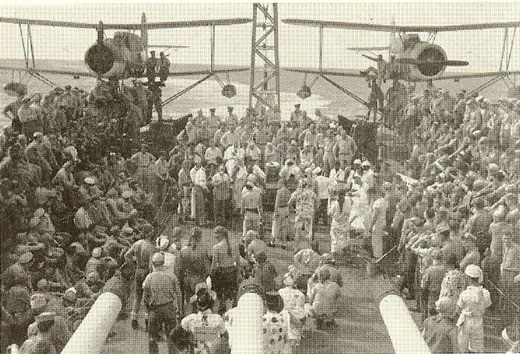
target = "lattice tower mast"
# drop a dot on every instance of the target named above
(264, 88)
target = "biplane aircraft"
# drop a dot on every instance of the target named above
(411, 58)
(120, 57)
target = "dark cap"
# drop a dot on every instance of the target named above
(261, 257)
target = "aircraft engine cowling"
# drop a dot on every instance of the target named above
(426, 52)
(108, 60)
(99, 58)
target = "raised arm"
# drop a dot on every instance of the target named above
(369, 57)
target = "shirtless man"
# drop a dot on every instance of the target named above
(381, 68)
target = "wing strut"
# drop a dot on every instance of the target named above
(344, 90)
(23, 47)
(183, 91)
(43, 79)
(212, 48)
(511, 49)
(29, 58)
(321, 48)
(504, 48)
(348, 92)
(30, 43)
(486, 84)
(505, 59)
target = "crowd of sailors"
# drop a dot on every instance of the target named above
(80, 218)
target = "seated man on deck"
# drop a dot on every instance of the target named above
(324, 301)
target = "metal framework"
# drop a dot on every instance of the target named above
(183, 91)
(264, 92)
(329, 80)
(28, 54)
(334, 83)
(173, 97)
(211, 73)
(505, 59)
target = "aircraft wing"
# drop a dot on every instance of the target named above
(391, 28)
(207, 71)
(70, 72)
(331, 72)
(22, 21)
(456, 76)
(76, 70)
(361, 49)
(127, 26)
(167, 46)
(445, 76)
(196, 23)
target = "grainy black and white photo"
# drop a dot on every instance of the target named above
(260, 178)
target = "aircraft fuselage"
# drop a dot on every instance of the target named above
(413, 49)
(117, 58)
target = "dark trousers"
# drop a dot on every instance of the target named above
(158, 106)
(220, 211)
(163, 74)
(429, 309)
(70, 113)
(162, 315)
(302, 281)
(16, 124)
(140, 275)
(208, 205)
(156, 101)
(407, 265)
(225, 283)
(321, 212)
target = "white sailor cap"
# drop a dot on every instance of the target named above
(89, 180)
(96, 252)
(473, 271)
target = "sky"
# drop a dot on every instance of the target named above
(298, 45)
